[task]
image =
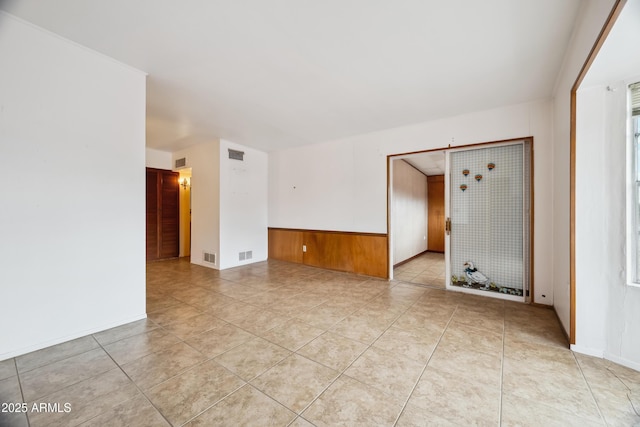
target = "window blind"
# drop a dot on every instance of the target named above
(635, 98)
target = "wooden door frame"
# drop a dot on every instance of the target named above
(530, 139)
(430, 182)
(159, 198)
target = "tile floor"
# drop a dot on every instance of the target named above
(426, 269)
(280, 344)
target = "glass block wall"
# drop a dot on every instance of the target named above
(487, 205)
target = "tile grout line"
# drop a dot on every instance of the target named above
(15, 365)
(101, 373)
(627, 393)
(58, 360)
(217, 401)
(246, 382)
(425, 365)
(207, 359)
(67, 358)
(361, 353)
(584, 378)
(271, 342)
(136, 386)
(341, 373)
(212, 359)
(180, 340)
(368, 301)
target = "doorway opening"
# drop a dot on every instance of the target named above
(185, 182)
(419, 218)
(480, 208)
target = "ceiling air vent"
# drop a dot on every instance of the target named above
(236, 155)
(180, 163)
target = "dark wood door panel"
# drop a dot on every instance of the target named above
(435, 216)
(162, 214)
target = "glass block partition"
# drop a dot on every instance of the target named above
(489, 199)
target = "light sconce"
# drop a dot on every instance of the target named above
(185, 182)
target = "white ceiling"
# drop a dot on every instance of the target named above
(431, 163)
(272, 74)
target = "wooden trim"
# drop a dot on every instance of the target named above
(454, 147)
(532, 263)
(164, 182)
(409, 259)
(353, 252)
(560, 323)
(530, 139)
(436, 217)
(546, 306)
(572, 220)
(389, 253)
(355, 233)
(606, 29)
(611, 19)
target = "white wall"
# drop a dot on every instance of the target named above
(409, 207)
(324, 187)
(607, 309)
(243, 205)
(72, 135)
(623, 310)
(228, 203)
(592, 16)
(204, 160)
(592, 187)
(158, 159)
(342, 185)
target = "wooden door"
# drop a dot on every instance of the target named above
(435, 217)
(162, 214)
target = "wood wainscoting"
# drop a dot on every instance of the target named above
(361, 253)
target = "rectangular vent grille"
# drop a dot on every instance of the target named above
(236, 155)
(180, 163)
(209, 257)
(242, 256)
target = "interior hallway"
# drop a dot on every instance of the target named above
(425, 269)
(275, 343)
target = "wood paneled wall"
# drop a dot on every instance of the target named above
(361, 253)
(286, 245)
(409, 207)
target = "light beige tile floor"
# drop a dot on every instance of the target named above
(426, 269)
(279, 344)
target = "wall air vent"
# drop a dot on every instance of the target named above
(242, 256)
(180, 163)
(209, 257)
(236, 155)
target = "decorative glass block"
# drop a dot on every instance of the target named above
(487, 220)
